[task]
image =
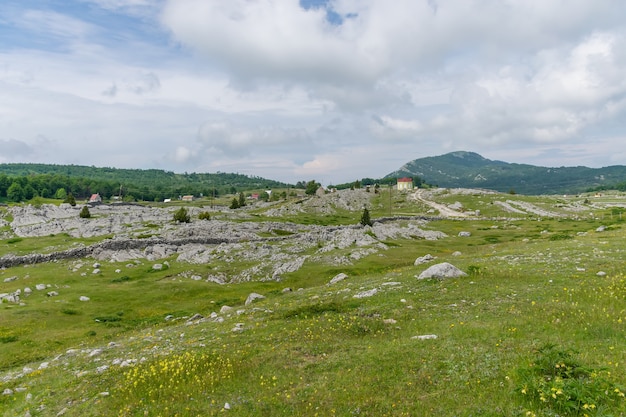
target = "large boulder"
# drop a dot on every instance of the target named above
(442, 270)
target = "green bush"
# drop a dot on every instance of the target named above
(365, 218)
(84, 213)
(204, 216)
(556, 382)
(182, 215)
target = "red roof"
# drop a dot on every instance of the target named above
(405, 179)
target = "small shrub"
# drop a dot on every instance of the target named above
(556, 382)
(561, 236)
(365, 218)
(182, 215)
(70, 312)
(14, 240)
(84, 213)
(121, 279)
(280, 232)
(473, 270)
(70, 200)
(8, 339)
(234, 204)
(205, 215)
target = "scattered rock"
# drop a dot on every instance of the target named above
(96, 271)
(253, 297)
(225, 309)
(338, 278)
(52, 294)
(83, 298)
(601, 274)
(195, 317)
(40, 287)
(601, 229)
(423, 259)
(157, 267)
(10, 279)
(425, 337)
(464, 234)
(286, 290)
(442, 270)
(366, 294)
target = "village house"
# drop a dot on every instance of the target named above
(95, 198)
(187, 198)
(405, 184)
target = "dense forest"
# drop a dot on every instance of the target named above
(22, 182)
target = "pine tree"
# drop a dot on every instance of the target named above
(84, 213)
(234, 204)
(70, 199)
(365, 218)
(242, 200)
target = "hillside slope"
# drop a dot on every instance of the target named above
(471, 170)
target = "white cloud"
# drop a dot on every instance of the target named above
(269, 86)
(237, 140)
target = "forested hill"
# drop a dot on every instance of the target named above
(471, 170)
(46, 180)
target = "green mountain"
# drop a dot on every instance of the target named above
(471, 170)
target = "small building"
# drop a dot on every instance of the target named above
(95, 198)
(405, 183)
(321, 191)
(187, 198)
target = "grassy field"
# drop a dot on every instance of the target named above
(537, 328)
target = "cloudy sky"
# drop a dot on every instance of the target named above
(332, 90)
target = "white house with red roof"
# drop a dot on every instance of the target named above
(405, 183)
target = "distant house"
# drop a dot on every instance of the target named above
(320, 191)
(405, 183)
(254, 196)
(95, 198)
(187, 198)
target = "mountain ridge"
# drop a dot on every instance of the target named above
(464, 169)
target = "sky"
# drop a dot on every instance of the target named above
(331, 90)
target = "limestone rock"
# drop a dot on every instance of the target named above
(338, 278)
(423, 259)
(253, 297)
(366, 294)
(442, 270)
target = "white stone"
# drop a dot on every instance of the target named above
(338, 278)
(366, 294)
(253, 297)
(84, 298)
(442, 270)
(423, 259)
(425, 337)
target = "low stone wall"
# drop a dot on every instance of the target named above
(9, 261)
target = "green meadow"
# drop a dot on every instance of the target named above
(536, 328)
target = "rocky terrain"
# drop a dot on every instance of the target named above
(131, 232)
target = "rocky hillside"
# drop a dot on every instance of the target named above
(471, 170)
